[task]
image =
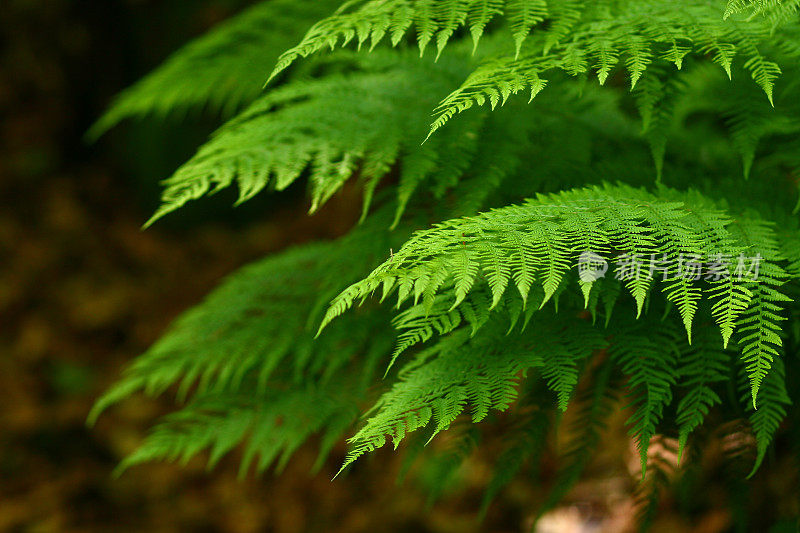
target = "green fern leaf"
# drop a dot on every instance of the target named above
(522, 16)
(223, 70)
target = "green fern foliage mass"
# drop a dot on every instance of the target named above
(535, 265)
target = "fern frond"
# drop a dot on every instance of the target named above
(773, 402)
(333, 128)
(459, 370)
(270, 426)
(480, 14)
(256, 324)
(223, 70)
(700, 366)
(522, 16)
(373, 20)
(542, 239)
(778, 12)
(759, 325)
(635, 33)
(649, 361)
(369, 124)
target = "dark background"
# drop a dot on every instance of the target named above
(83, 291)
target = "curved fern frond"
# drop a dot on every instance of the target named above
(223, 70)
(773, 402)
(538, 242)
(369, 124)
(270, 425)
(257, 324)
(458, 371)
(635, 34)
(435, 21)
(759, 326)
(335, 127)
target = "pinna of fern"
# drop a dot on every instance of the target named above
(335, 127)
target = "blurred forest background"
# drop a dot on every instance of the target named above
(83, 291)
